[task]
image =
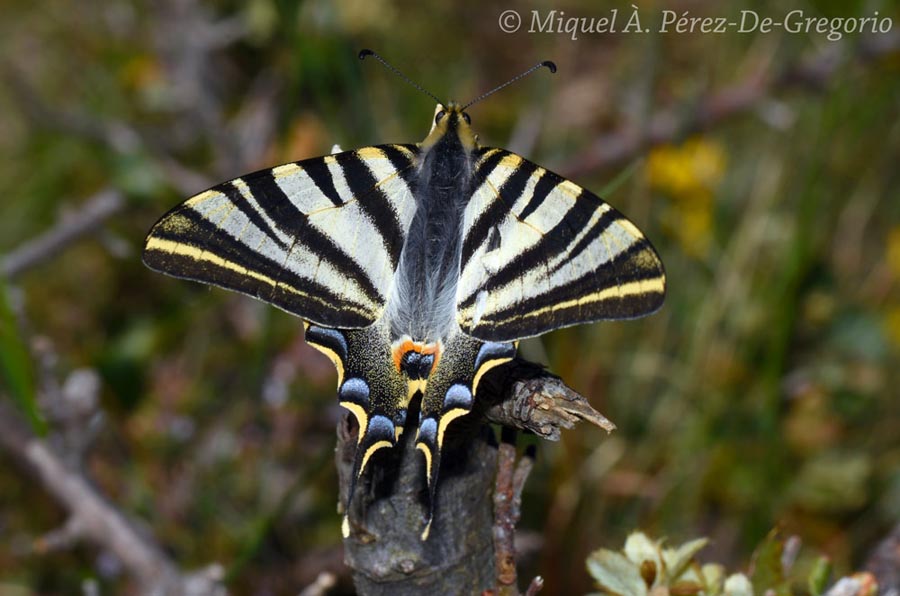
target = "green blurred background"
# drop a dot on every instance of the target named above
(765, 392)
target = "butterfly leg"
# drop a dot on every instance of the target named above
(369, 387)
(450, 393)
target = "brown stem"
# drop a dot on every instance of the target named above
(526, 396)
(510, 482)
(505, 521)
(385, 550)
(536, 585)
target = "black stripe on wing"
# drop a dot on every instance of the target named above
(547, 183)
(317, 170)
(373, 201)
(590, 264)
(201, 240)
(249, 211)
(551, 244)
(497, 210)
(297, 226)
(533, 317)
(399, 156)
(178, 248)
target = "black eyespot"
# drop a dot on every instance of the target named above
(438, 117)
(466, 116)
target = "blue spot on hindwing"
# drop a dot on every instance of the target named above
(494, 351)
(458, 396)
(330, 338)
(355, 390)
(428, 431)
(380, 427)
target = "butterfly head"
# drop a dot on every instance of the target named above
(451, 119)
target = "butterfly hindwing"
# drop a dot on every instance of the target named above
(540, 252)
(319, 238)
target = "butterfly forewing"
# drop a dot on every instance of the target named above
(540, 252)
(319, 238)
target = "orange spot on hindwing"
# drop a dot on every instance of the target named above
(416, 359)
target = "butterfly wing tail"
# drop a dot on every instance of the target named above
(369, 387)
(449, 395)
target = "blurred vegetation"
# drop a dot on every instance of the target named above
(646, 567)
(765, 391)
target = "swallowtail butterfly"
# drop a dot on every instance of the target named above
(415, 268)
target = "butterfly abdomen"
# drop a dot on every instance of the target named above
(424, 302)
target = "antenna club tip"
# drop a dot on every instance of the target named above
(548, 63)
(367, 52)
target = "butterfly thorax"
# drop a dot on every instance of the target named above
(422, 305)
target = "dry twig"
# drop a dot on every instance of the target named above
(87, 219)
(507, 512)
(92, 517)
(671, 125)
(324, 582)
(535, 400)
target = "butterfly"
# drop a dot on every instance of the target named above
(415, 268)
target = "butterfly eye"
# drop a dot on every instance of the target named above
(466, 116)
(438, 117)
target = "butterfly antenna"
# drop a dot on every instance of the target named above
(396, 71)
(550, 65)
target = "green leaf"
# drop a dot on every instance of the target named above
(16, 374)
(819, 575)
(138, 175)
(833, 482)
(768, 574)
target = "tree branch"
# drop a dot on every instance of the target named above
(87, 219)
(507, 512)
(666, 126)
(526, 396)
(94, 518)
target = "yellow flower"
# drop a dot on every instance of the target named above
(684, 171)
(893, 251)
(892, 324)
(689, 174)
